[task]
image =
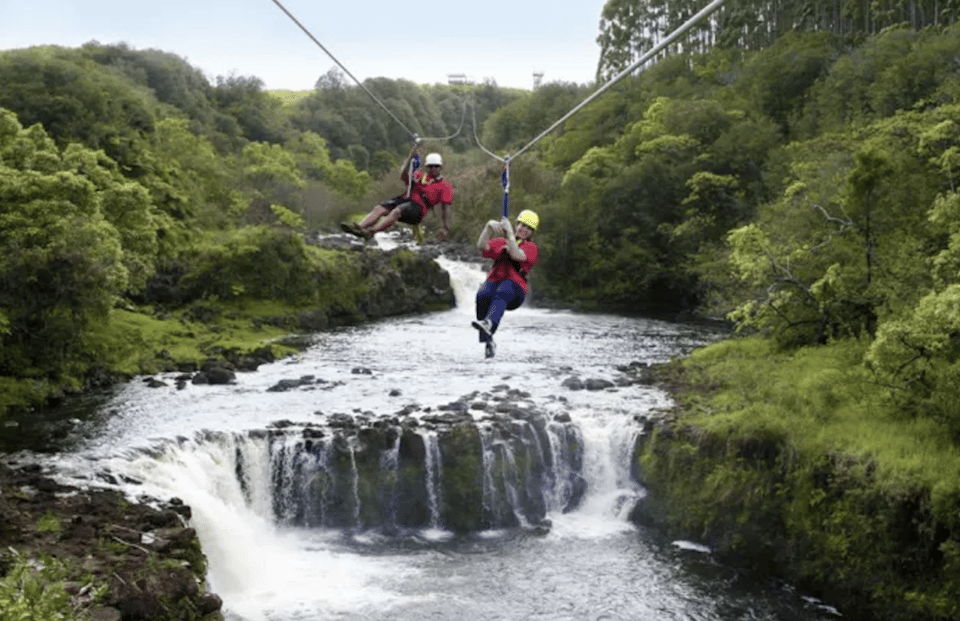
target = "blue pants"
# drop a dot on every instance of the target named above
(494, 299)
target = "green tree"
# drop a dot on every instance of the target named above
(257, 113)
(313, 158)
(76, 100)
(844, 246)
(191, 183)
(61, 261)
(777, 80)
(270, 176)
(916, 359)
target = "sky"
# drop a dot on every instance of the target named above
(506, 41)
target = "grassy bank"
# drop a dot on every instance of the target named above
(795, 464)
(233, 306)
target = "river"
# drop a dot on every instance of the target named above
(590, 563)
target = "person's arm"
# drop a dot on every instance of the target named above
(405, 169)
(491, 229)
(512, 248)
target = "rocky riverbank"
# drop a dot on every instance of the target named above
(123, 561)
(126, 560)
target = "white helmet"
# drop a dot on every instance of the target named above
(433, 159)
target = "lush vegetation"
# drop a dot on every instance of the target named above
(792, 171)
(796, 461)
(34, 590)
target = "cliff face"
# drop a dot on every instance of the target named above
(819, 521)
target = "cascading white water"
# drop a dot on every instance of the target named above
(561, 469)
(390, 463)
(434, 475)
(207, 446)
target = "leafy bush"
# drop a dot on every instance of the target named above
(916, 358)
(33, 591)
(254, 262)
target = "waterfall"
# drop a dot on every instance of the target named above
(560, 471)
(434, 469)
(390, 467)
(465, 279)
(382, 477)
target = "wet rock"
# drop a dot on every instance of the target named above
(455, 406)
(291, 384)
(106, 613)
(214, 375)
(343, 421)
(449, 418)
(578, 491)
(209, 603)
(597, 384)
(573, 383)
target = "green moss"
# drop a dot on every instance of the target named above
(17, 393)
(461, 450)
(139, 341)
(49, 523)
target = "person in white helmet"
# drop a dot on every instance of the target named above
(514, 254)
(427, 190)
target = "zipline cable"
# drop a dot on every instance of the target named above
(473, 110)
(710, 8)
(339, 64)
(505, 177)
(463, 116)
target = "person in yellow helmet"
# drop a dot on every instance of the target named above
(514, 254)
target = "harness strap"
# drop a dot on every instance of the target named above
(517, 265)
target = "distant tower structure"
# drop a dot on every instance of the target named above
(537, 79)
(457, 78)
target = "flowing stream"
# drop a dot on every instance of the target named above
(273, 561)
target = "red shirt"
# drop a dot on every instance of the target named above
(503, 266)
(428, 192)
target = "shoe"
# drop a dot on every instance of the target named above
(353, 228)
(484, 325)
(489, 350)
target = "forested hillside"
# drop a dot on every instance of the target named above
(789, 168)
(802, 187)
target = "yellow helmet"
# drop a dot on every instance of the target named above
(529, 218)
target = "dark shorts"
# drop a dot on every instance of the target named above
(410, 212)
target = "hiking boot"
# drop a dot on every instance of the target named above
(353, 228)
(485, 326)
(490, 349)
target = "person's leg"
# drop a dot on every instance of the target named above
(375, 214)
(484, 297)
(386, 222)
(508, 296)
(493, 300)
